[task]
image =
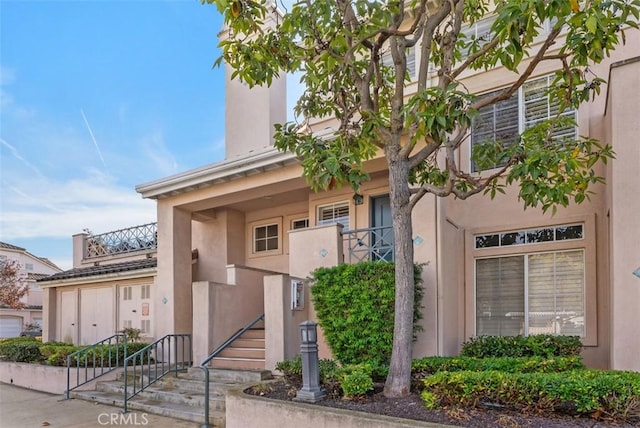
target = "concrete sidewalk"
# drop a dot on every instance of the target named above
(20, 407)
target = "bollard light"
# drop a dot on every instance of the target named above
(309, 332)
(310, 391)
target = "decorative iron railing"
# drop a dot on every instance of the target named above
(138, 238)
(204, 365)
(374, 243)
(96, 360)
(168, 354)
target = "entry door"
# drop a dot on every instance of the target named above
(96, 314)
(382, 233)
(68, 317)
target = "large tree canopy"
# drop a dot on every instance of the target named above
(354, 58)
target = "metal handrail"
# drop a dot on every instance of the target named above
(163, 348)
(81, 357)
(218, 350)
(373, 243)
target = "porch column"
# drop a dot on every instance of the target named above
(49, 315)
(625, 206)
(172, 294)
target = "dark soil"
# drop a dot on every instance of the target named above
(411, 407)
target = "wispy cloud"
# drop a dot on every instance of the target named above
(49, 208)
(14, 152)
(154, 148)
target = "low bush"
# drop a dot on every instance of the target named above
(22, 351)
(429, 365)
(599, 394)
(31, 350)
(328, 369)
(540, 345)
(356, 380)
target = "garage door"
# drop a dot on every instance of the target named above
(10, 326)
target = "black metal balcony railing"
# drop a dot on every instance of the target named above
(138, 238)
(374, 243)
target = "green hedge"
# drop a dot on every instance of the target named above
(540, 345)
(615, 394)
(30, 350)
(355, 308)
(430, 365)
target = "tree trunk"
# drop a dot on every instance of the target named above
(399, 380)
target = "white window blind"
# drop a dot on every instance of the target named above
(538, 106)
(538, 293)
(500, 296)
(556, 292)
(335, 213)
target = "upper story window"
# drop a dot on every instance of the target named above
(28, 266)
(334, 213)
(145, 292)
(387, 60)
(505, 120)
(479, 30)
(265, 238)
(127, 293)
(530, 236)
(301, 223)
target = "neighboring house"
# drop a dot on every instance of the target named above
(14, 321)
(109, 288)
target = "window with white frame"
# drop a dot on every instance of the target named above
(504, 121)
(265, 238)
(387, 60)
(28, 266)
(300, 223)
(479, 30)
(127, 293)
(334, 213)
(532, 292)
(145, 326)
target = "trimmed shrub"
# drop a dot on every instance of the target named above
(355, 380)
(615, 394)
(329, 371)
(430, 365)
(355, 308)
(21, 351)
(539, 345)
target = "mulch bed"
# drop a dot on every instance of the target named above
(411, 407)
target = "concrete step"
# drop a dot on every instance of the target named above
(253, 333)
(237, 363)
(248, 343)
(187, 382)
(229, 375)
(238, 352)
(169, 394)
(169, 409)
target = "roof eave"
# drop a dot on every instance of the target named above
(215, 173)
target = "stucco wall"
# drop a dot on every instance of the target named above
(42, 378)
(249, 411)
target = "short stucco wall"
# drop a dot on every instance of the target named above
(244, 410)
(42, 378)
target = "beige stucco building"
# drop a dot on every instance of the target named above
(32, 268)
(107, 290)
(237, 239)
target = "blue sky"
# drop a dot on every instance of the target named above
(97, 97)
